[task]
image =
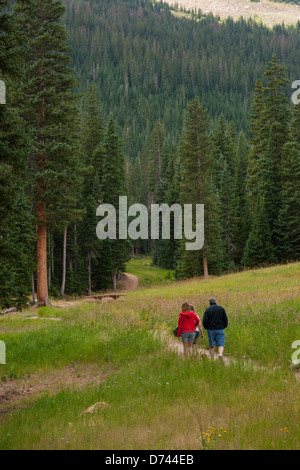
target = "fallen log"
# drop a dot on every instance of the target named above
(8, 310)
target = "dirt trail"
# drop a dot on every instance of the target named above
(176, 346)
(129, 282)
(16, 393)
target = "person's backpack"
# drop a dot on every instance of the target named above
(175, 331)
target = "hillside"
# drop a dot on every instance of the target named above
(148, 64)
(107, 375)
(270, 13)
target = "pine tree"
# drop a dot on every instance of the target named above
(276, 113)
(16, 229)
(114, 186)
(257, 125)
(222, 149)
(295, 123)
(156, 160)
(20, 243)
(8, 53)
(92, 127)
(224, 156)
(240, 202)
(164, 251)
(270, 179)
(49, 111)
(226, 215)
(196, 187)
(92, 157)
(287, 228)
(259, 249)
(270, 131)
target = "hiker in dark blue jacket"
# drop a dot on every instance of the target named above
(215, 321)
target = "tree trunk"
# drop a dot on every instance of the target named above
(49, 263)
(49, 276)
(114, 279)
(205, 268)
(90, 274)
(63, 282)
(33, 288)
(52, 252)
(75, 243)
(42, 285)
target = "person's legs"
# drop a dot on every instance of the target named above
(187, 341)
(190, 348)
(212, 352)
(211, 340)
(220, 342)
(185, 347)
(195, 342)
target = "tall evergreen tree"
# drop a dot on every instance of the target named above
(92, 156)
(295, 124)
(259, 249)
(92, 126)
(270, 131)
(226, 215)
(16, 229)
(287, 228)
(49, 111)
(196, 187)
(165, 250)
(240, 202)
(257, 125)
(269, 124)
(114, 186)
(156, 161)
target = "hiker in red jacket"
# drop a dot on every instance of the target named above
(187, 323)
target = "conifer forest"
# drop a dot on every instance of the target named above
(129, 98)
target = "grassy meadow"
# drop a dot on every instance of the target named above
(148, 274)
(145, 389)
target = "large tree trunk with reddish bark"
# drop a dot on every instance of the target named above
(42, 284)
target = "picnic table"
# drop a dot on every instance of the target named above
(114, 295)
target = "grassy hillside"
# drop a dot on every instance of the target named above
(268, 12)
(147, 273)
(119, 354)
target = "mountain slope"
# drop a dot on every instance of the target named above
(269, 12)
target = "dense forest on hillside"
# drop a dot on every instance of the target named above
(148, 64)
(189, 110)
(297, 2)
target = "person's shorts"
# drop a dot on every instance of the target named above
(216, 338)
(188, 337)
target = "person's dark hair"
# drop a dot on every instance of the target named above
(185, 307)
(191, 308)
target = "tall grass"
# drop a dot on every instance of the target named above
(149, 403)
(152, 393)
